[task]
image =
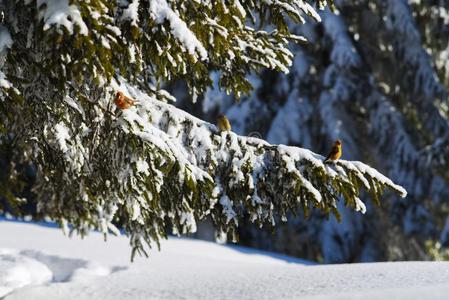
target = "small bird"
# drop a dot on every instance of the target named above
(223, 123)
(335, 152)
(123, 102)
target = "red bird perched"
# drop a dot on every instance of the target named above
(123, 102)
(335, 152)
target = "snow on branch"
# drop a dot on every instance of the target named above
(153, 165)
(294, 9)
(61, 13)
(227, 175)
(161, 11)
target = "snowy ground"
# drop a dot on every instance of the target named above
(38, 262)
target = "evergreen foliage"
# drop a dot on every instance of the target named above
(153, 165)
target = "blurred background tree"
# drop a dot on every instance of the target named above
(376, 75)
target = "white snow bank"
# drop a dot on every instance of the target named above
(189, 269)
(17, 271)
(20, 268)
(68, 269)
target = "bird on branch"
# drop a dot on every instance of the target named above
(223, 123)
(335, 152)
(123, 102)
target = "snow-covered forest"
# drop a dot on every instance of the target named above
(108, 122)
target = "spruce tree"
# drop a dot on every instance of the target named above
(152, 165)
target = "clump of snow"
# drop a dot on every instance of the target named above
(161, 11)
(360, 206)
(69, 144)
(4, 83)
(60, 13)
(131, 12)
(62, 136)
(188, 219)
(227, 208)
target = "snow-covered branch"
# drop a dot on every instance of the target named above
(227, 175)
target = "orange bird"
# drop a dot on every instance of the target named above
(335, 152)
(123, 102)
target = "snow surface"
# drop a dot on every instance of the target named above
(38, 262)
